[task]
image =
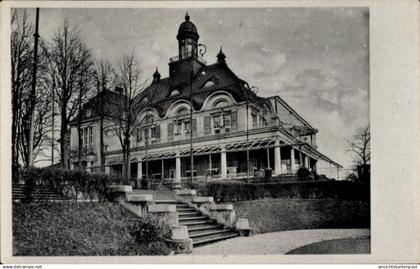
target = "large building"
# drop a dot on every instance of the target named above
(206, 110)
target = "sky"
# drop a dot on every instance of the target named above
(316, 59)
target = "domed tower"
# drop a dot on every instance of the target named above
(187, 63)
(187, 39)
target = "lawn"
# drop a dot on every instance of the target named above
(336, 246)
(270, 215)
(56, 229)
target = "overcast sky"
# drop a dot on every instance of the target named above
(316, 59)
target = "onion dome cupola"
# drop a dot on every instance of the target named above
(187, 39)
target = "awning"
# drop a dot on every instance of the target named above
(205, 150)
(255, 144)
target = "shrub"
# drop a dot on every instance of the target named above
(149, 229)
(303, 173)
(241, 191)
(69, 183)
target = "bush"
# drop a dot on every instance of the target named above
(69, 183)
(303, 173)
(240, 191)
(149, 229)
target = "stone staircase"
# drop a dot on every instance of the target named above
(201, 228)
(39, 194)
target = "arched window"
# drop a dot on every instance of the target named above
(220, 103)
(182, 111)
(149, 119)
(174, 92)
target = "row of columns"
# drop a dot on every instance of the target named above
(223, 163)
(277, 159)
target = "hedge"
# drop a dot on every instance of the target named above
(73, 184)
(240, 191)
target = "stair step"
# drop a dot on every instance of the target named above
(172, 202)
(202, 227)
(209, 232)
(188, 218)
(189, 214)
(185, 210)
(213, 238)
(197, 222)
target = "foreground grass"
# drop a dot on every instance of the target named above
(336, 246)
(89, 229)
(270, 215)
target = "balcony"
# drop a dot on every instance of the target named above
(189, 54)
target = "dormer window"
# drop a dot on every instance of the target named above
(88, 113)
(174, 92)
(208, 84)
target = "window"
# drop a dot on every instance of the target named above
(182, 127)
(264, 122)
(254, 120)
(187, 127)
(178, 127)
(227, 120)
(208, 84)
(90, 136)
(87, 137)
(149, 119)
(224, 120)
(221, 103)
(182, 111)
(138, 135)
(216, 121)
(174, 92)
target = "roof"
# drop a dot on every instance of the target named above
(187, 29)
(104, 101)
(158, 94)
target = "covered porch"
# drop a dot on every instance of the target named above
(244, 159)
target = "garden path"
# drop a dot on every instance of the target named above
(277, 242)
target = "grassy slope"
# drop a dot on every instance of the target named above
(336, 246)
(271, 215)
(74, 229)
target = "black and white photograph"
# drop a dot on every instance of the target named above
(190, 131)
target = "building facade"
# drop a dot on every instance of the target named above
(207, 112)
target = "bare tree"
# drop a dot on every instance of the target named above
(21, 62)
(85, 86)
(128, 80)
(21, 53)
(67, 59)
(359, 146)
(104, 82)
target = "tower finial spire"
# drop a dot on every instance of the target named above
(187, 17)
(156, 75)
(221, 56)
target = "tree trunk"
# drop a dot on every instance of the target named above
(101, 143)
(63, 138)
(128, 167)
(124, 172)
(79, 145)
